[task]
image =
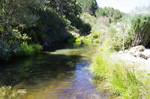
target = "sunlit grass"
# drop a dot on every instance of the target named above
(119, 78)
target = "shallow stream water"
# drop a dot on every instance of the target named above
(61, 72)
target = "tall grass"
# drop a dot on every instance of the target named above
(119, 78)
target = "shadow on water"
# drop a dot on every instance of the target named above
(40, 67)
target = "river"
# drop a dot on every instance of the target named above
(61, 72)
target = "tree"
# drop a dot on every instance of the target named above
(65, 7)
(113, 14)
(89, 6)
(18, 13)
(140, 27)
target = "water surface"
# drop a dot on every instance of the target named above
(58, 73)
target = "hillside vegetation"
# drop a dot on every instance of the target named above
(27, 26)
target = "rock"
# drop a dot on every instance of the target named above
(120, 52)
(145, 54)
(137, 54)
(148, 59)
(126, 51)
(135, 49)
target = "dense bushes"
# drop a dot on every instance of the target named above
(8, 48)
(113, 14)
(134, 28)
(50, 27)
(89, 6)
(84, 28)
(27, 22)
(140, 29)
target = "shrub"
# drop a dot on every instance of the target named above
(28, 50)
(7, 49)
(25, 50)
(37, 48)
(81, 25)
(51, 27)
(140, 27)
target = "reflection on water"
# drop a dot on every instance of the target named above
(59, 74)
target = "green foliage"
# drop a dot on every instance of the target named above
(7, 49)
(27, 50)
(136, 29)
(140, 29)
(66, 7)
(14, 48)
(112, 31)
(89, 6)
(76, 21)
(71, 39)
(87, 18)
(113, 14)
(18, 14)
(15, 16)
(51, 27)
(37, 48)
(116, 34)
(39, 21)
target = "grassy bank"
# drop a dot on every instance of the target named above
(118, 78)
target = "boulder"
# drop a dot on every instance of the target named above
(120, 52)
(137, 54)
(145, 54)
(135, 49)
(126, 51)
(148, 59)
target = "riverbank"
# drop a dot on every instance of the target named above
(121, 75)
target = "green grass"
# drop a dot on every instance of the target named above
(119, 78)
